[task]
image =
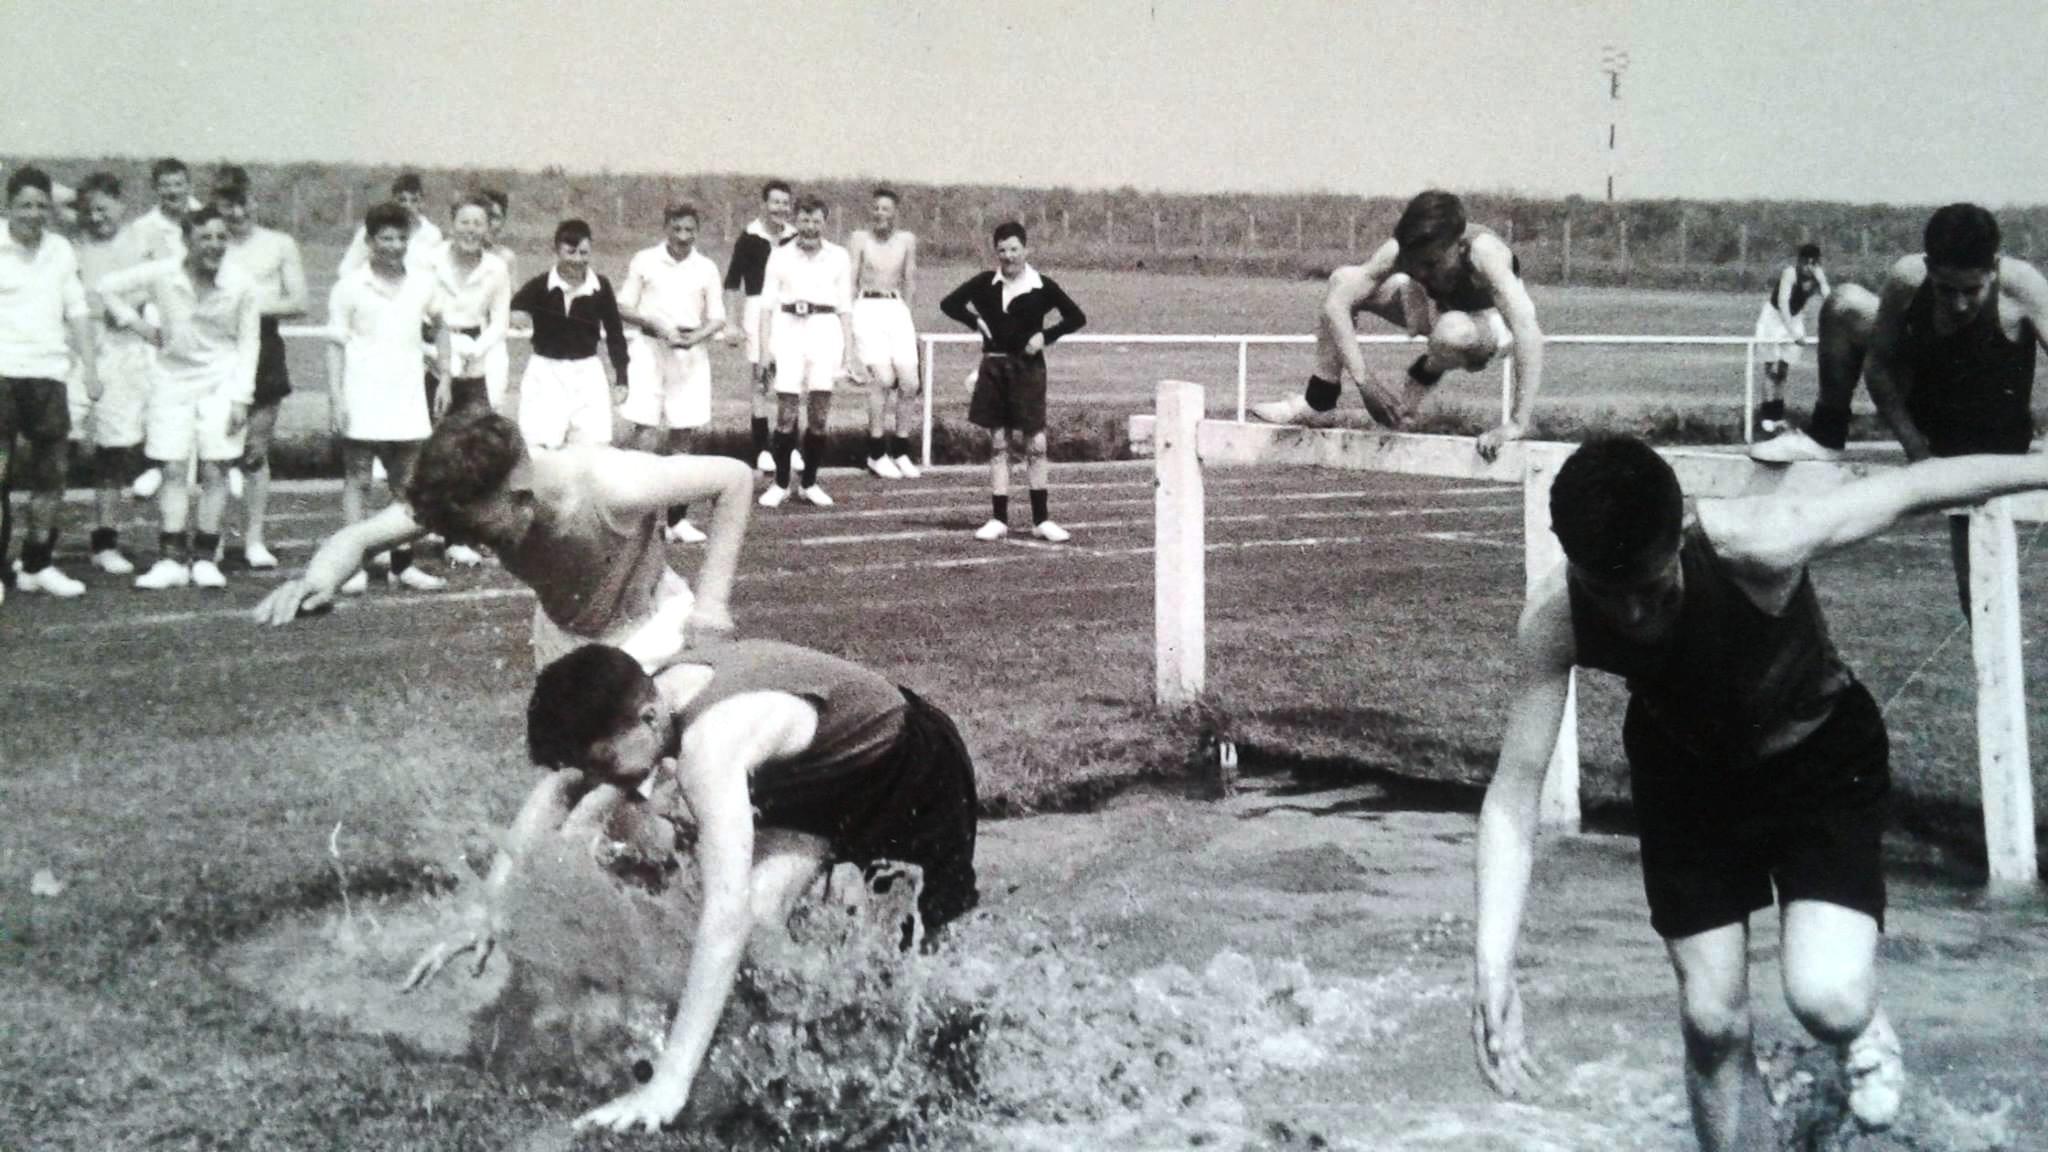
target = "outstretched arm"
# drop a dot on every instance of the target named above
(719, 750)
(1507, 834)
(336, 560)
(1350, 287)
(1511, 295)
(630, 485)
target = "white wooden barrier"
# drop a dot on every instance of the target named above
(2006, 774)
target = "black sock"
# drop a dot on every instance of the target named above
(205, 545)
(814, 454)
(105, 540)
(1420, 372)
(1771, 410)
(6, 514)
(1322, 394)
(36, 554)
(174, 546)
(760, 429)
(783, 443)
(401, 559)
(899, 446)
(677, 513)
(1002, 506)
(874, 447)
(1039, 498)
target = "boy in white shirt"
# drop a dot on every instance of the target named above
(807, 326)
(127, 369)
(671, 295)
(422, 238)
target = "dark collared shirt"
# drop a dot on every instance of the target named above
(1011, 327)
(569, 329)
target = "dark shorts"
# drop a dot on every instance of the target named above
(1810, 821)
(35, 409)
(273, 378)
(1009, 392)
(918, 806)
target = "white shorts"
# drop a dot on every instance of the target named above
(564, 402)
(810, 352)
(1775, 341)
(189, 413)
(750, 327)
(656, 637)
(127, 375)
(667, 387)
(884, 337)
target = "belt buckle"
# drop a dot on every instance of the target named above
(801, 308)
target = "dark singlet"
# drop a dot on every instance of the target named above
(1973, 389)
(1467, 294)
(860, 715)
(590, 574)
(1803, 288)
(1730, 680)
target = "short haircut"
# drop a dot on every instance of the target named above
(592, 693)
(464, 461)
(572, 232)
(885, 193)
(389, 214)
(200, 217)
(28, 176)
(498, 197)
(168, 166)
(810, 203)
(1431, 220)
(1962, 236)
(101, 184)
(408, 182)
(1809, 251)
(772, 187)
(1615, 503)
(675, 212)
(1009, 228)
(470, 200)
(231, 181)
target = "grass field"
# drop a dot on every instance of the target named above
(192, 780)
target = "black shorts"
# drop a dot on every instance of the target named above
(1009, 392)
(1810, 820)
(34, 408)
(273, 378)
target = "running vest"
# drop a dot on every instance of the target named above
(860, 715)
(1973, 389)
(1467, 294)
(1730, 680)
(1803, 288)
(589, 573)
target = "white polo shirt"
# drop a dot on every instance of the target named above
(685, 293)
(380, 321)
(420, 246)
(823, 277)
(39, 292)
(156, 236)
(468, 297)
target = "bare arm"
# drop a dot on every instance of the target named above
(631, 290)
(1351, 286)
(336, 560)
(2029, 291)
(358, 253)
(114, 288)
(1511, 295)
(630, 485)
(498, 321)
(78, 318)
(910, 271)
(1782, 298)
(1507, 831)
(1885, 371)
(248, 347)
(719, 751)
(291, 279)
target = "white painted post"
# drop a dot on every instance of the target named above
(1243, 376)
(1177, 577)
(1748, 392)
(2007, 779)
(1540, 554)
(931, 348)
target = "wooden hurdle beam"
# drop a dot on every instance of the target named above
(1185, 442)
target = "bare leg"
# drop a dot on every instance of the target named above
(256, 468)
(213, 497)
(357, 463)
(1846, 319)
(1730, 1109)
(999, 462)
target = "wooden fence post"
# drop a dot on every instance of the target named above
(1742, 246)
(1179, 651)
(1567, 248)
(1684, 239)
(2007, 779)
(1157, 246)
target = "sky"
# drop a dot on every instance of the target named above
(1870, 101)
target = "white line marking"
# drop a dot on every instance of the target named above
(1101, 525)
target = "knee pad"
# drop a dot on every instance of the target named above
(1322, 394)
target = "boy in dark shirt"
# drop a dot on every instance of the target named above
(1009, 307)
(563, 397)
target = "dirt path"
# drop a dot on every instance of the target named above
(1289, 969)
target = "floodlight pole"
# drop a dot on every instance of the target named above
(1613, 62)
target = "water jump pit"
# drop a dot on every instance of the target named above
(1288, 969)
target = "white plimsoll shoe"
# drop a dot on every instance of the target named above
(907, 468)
(764, 462)
(1050, 532)
(51, 581)
(684, 532)
(993, 530)
(885, 468)
(165, 573)
(207, 574)
(110, 561)
(817, 496)
(258, 557)
(147, 484)
(1790, 447)
(796, 461)
(1292, 410)
(774, 496)
(419, 580)
(463, 556)
(357, 584)
(1874, 1072)
(237, 483)
(377, 471)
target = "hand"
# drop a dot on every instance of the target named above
(646, 1108)
(93, 387)
(618, 394)
(479, 939)
(1490, 442)
(441, 397)
(1035, 345)
(857, 374)
(238, 417)
(151, 333)
(663, 331)
(1505, 1061)
(1388, 408)
(760, 375)
(707, 625)
(730, 333)
(291, 600)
